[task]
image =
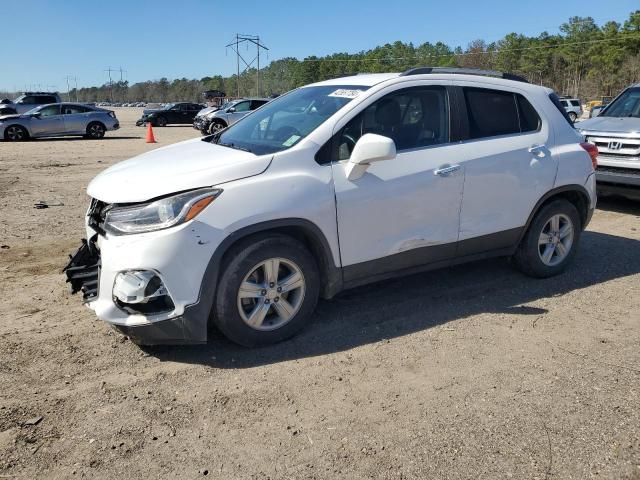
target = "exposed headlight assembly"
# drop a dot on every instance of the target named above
(159, 214)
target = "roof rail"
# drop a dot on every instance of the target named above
(463, 71)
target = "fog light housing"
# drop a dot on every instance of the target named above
(141, 291)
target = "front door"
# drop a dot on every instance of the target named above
(48, 122)
(402, 212)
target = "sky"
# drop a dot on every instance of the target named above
(46, 41)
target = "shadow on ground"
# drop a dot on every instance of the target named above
(406, 305)
(75, 139)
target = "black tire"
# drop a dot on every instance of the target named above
(216, 126)
(528, 256)
(95, 131)
(573, 116)
(16, 133)
(161, 122)
(242, 260)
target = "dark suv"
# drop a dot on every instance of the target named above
(27, 101)
(182, 112)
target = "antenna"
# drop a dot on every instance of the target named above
(235, 46)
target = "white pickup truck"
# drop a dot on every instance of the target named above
(27, 101)
(616, 133)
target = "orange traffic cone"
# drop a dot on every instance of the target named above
(150, 137)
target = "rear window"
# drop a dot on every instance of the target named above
(46, 99)
(493, 112)
(556, 101)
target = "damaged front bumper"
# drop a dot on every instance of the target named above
(173, 311)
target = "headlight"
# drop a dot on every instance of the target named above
(163, 213)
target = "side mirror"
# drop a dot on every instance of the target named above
(370, 148)
(231, 110)
(36, 115)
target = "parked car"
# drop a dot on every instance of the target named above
(616, 133)
(180, 113)
(218, 119)
(58, 119)
(28, 101)
(333, 185)
(572, 106)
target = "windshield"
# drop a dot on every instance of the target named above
(168, 106)
(283, 122)
(626, 105)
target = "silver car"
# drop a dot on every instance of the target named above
(58, 119)
(229, 114)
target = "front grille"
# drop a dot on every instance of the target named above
(83, 270)
(611, 146)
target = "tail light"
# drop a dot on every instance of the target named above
(592, 150)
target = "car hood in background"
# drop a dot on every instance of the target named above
(611, 124)
(9, 117)
(206, 111)
(175, 168)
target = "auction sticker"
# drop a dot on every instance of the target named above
(345, 93)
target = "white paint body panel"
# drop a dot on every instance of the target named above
(396, 206)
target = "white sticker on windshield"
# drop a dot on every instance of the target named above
(345, 93)
(291, 140)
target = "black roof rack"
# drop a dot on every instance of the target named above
(463, 71)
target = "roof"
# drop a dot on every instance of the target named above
(365, 79)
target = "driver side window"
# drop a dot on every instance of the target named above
(243, 106)
(413, 118)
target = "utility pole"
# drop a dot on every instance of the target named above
(67, 78)
(109, 70)
(235, 46)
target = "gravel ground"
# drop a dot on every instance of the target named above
(471, 372)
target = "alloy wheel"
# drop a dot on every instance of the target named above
(15, 133)
(271, 294)
(556, 240)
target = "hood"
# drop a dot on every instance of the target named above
(610, 124)
(9, 117)
(175, 168)
(148, 111)
(206, 111)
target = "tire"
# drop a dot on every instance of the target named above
(16, 133)
(539, 255)
(95, 131)
(161, 122)
(275, 314)
(216, 126)
(573, 116)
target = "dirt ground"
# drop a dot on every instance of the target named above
(471, 372)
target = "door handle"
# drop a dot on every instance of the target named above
(446, 171)
(538, 150)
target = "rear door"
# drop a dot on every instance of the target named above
(49, 121)
(508, 166)
(75, 118)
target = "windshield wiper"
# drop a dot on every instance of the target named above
(234, 146)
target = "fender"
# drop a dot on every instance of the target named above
(558, 191)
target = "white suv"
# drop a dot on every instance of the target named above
(333, 185)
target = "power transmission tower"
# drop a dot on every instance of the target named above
(109, 70)
(67, 78)
(235, 46)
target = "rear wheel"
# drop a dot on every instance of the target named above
(267, 291)
(95, 130)
(15, 133)
(550, 244)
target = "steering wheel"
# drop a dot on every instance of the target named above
(286, 132)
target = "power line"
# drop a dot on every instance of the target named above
(464, 54)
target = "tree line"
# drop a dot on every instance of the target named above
(583, 60)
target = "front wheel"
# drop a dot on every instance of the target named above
(216, 127)
(550, 244)
(267, 291)
(573, 116)
(15, 133)
(161, 122)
